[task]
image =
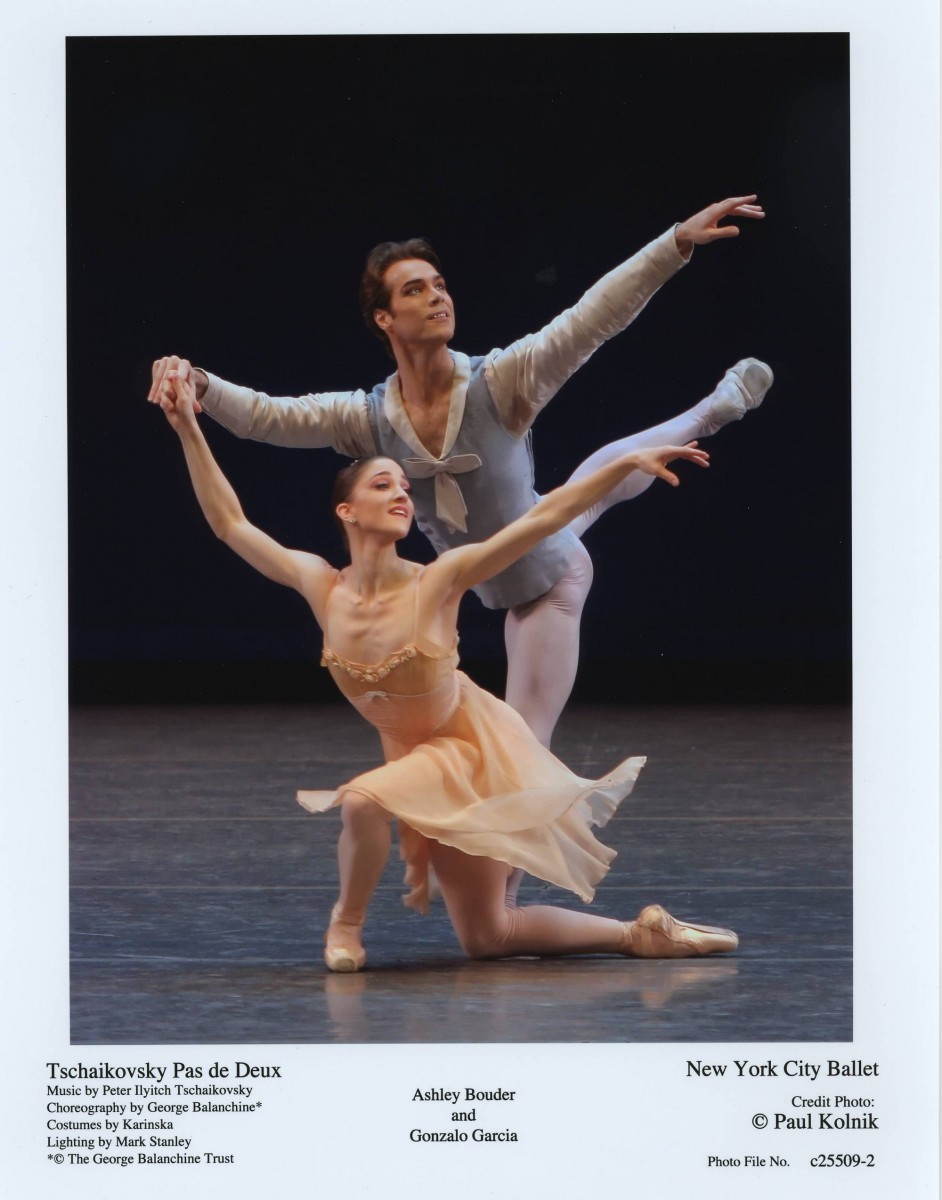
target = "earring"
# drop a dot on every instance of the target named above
(351, 520)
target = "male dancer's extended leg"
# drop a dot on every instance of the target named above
(542, 637)
(741, 389)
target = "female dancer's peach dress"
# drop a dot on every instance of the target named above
(462, 768)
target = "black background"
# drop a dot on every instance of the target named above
(222, 195)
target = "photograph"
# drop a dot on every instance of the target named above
(226, 228)
(463, 710)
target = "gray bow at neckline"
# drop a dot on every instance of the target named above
(449, 502)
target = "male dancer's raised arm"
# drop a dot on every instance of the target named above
(521, 378)
(336, 420)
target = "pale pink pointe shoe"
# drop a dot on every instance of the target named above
(656, 934)
(343, 948)
(741, 389)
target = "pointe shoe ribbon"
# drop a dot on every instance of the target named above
(343, 949)
(656, 934)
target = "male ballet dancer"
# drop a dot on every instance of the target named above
(460, 427)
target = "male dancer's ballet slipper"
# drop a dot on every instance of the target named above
(343, 949)
(741, 389)
(656, 934)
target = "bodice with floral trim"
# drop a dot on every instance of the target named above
(369, 673)
(416, 668)
(420, 666)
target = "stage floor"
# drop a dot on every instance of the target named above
(199, 889)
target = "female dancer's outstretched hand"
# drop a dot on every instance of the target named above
(306, 573)
(464, 566)
(654, 461)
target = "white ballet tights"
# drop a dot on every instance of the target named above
(542, 640)
(688, 427)
(542, 637)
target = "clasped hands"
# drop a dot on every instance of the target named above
(176, 395)
(170, 368)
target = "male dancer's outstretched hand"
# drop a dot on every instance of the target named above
(705, 226)
(161, 388)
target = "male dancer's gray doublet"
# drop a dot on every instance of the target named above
(458, 501)
(484, 477)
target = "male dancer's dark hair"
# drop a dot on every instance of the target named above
(374, 293)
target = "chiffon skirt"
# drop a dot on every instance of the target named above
(482, 783)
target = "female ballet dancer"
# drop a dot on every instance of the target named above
(476, 795)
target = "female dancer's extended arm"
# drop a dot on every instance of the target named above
(306, 573)
(460, 569)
